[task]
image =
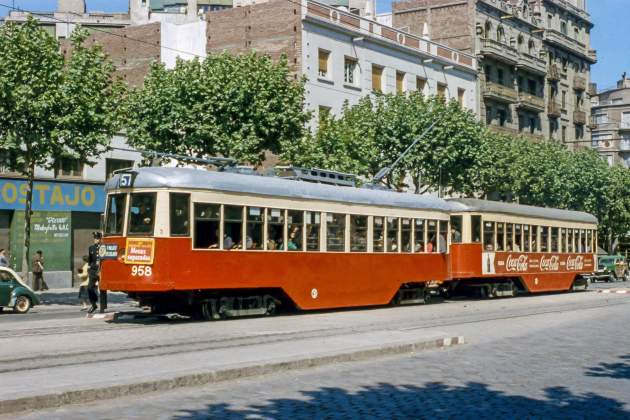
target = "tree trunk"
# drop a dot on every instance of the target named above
(27, 221)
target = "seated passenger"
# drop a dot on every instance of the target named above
(292, 245)
(489, 247)
(430, 245)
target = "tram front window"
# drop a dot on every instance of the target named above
(207, 222)
(142, 214)
(115, 214)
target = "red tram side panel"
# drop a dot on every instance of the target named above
(312, 280)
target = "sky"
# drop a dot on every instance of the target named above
(610, 36)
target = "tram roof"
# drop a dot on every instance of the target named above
(184, 178)
(485, 206)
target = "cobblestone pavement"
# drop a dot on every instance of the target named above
(577, 368)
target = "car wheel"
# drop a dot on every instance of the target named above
(22, 305)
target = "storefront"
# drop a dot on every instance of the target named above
(64, 216)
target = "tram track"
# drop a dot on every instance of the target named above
(156, 349)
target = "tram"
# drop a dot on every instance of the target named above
(218, 244)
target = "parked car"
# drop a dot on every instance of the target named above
(14, 293)
(612, 268)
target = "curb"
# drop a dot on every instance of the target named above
(47, 401)
(624, 291)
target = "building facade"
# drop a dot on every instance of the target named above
(534, 59)
(611, 123)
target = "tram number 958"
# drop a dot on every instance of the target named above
(141, 270)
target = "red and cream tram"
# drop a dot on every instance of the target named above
(217, 244)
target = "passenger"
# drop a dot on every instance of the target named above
(489, 247)
(517, 248)
(228, 243)
(456, 236)
(442, 244)
(431, 245)
(292, 245)
(4, 261)
(419, 247)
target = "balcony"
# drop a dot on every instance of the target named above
(579, 83)
(579, 117)
(498, 51)
(553, 74)
(592, 55)
(624, 126)
(531, 64)
(553, 109)
(565, 42)
(500, 93)
(531, 102)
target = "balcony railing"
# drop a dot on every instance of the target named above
(500, 92)
(579, 83)
(565, 41)
(499, 50)
(531, 63)
(553, 74)
(533, 102)
(553, 109)
(579, 117)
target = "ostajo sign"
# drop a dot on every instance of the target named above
(52, 196)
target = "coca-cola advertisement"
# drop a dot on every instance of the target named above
(512, 263)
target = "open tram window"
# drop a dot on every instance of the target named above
(576, 239)
(544, 238)
(295, 220)
(456, 229)
(570, 241)
(114, 223)
(518, 238)
(488, 236)
(378, 231)
(475, 224)
(432, 234)
(509, 237)
(443, 236)
(589, 241)
(275, 230)
(500, 237)
(358, 233)
(526, 239)
(233, 227)
(142, 214)
(313, 226)
(563, 240)
(335, 232)
(582, 241)
(207, 222)
(180, 214)
(405, 235)
(555, 241)
(254, 230)
(392, 234)
(535, 239)
(419, 235)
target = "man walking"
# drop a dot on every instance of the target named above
(38, 271)
(94, 267)
(4, 260)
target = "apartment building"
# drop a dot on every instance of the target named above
(611, 122)
(534, 59)
(344, 56)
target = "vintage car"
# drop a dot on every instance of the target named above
(14, 293)
(611, 268)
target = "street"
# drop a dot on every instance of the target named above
(556, 355)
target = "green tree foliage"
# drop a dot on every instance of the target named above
(236, 106)
(52, 106)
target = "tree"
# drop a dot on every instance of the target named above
(52, 106)
(236, 106)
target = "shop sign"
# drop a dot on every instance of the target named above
(52, 196)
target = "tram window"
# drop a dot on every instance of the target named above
(582, 241)
(576, 239)
(443, 235)
(526, 239)
(115, 214)
(563, 240)
(180, 214)
(456, 229)
(254, 229)
(392, 234)
(378, 226)
(555, 242)
(295, 221)
(509, 237)
(432, 227)
(535, 243)
(475, 222)
(275, 230)
(358, 233)
(570, 241)
(312, 230)
(142, 213)
(589, 241)
(500, 236)
(405, 235)
(419, 239)
(335, 232)
(488, 236)
(518, 238)
(544, 238)
(233, 227)
(207, 221)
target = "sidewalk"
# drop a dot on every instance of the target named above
(70, 296)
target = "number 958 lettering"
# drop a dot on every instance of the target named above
(141, 270)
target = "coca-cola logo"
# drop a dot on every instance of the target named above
(519, 263)
(575, 263)
(550, 264)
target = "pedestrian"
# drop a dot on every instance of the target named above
(38, 271)
(84, 279)
(4, 260)
(93, 271)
